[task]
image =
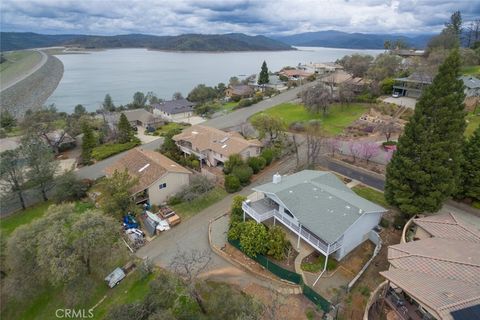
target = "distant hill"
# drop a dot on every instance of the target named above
(187, 42)
(338, 39)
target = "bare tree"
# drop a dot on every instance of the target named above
(314, 140)
(12, 174)
(317, 99)
(346, 93)
(295, 147)
(387, 128)
(189, 265)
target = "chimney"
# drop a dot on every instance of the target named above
(277, 178)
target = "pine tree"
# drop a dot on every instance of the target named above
(471, 166)
(88, 143)
(125, 131)
(263, 78)
(426, 168)
(108, 103)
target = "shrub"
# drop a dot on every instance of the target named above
(236, 229)
(232, 183)
(70, 188)
(366, 97)
(297, 126)
(277, 243)
(236, 210)
(384, 223)
(197, 187)
(174, 200)
(389, 143)
(253, 238)
(243, 173)
(256, 163)
(233, 161)
(318, 265)
(399, 222)
(235, 98)
(244, 103)
(107, 150)
(267, 154)
(386, 85)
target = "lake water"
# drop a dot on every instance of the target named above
(122, 72)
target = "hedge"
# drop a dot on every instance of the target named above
(107, 150)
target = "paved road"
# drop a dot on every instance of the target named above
(236, 118)
(28, 73)
(193, 234)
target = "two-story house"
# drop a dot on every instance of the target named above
(213, 146)
(174, 110)
(158, 176)
(317, 207)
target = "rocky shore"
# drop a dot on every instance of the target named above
(33, 91)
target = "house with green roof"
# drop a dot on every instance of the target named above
(317, 207)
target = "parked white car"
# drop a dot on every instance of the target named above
(396, 94)
(115, 277)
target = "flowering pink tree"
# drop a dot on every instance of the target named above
(355, 149)
(333, 145)
(368, 150)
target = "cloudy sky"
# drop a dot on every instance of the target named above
(172, 17)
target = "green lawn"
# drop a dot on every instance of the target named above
(473, 123)
(18, 63)
(371, 195)
(228, 107)
(10, 223)
(471, 70)
(110, 149)
(337, 119)
(187, 209)
(169, 126)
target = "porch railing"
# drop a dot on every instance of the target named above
(259, 217)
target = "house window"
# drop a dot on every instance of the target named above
(162, 185)
(288, 213)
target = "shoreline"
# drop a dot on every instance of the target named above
(34, 90)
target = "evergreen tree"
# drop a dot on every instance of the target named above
(125, 131)
(89, 142)
(471, 166)
(263, 77)
(426, 168)
(108, 103)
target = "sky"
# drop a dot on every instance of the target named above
(267, 17)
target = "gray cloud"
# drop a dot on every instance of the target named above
(170, 17)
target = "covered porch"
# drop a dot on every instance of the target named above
(264, 209)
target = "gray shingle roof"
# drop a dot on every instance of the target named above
(320, 201)
(470, 82)
(175, 106)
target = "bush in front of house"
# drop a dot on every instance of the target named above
(319, 264)
(269, 154)
(277, 243)
(109, 149)
(232, 183)
(253, 238)
(256, 163)
(233, 161)
(243, 173)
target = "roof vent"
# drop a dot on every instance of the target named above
(144, 167)
(315, 189)
(330, 197)
(277, 178)
(194, 132)
(290, 191)
(224, 139)
(348, 207)
(360, 211)
(224, 146)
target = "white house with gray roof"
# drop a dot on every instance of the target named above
(174, 110)
(317, 207)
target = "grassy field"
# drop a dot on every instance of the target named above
(187, 209)
(334, 122)
(18, 62)
(473, 123)
(471, 70)
(10, 223)
(371, 195)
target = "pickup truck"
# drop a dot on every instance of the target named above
(170, 215)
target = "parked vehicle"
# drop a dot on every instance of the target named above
(115, 277)
(170, 215)
(396, 94)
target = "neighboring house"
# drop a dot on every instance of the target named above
(274, 82)
(61, 139)
(472, 86)
(213, 146)
(406, 53)
(413, 85)
(437, 276)
(319, 208)
(295, 74)
(158, 176)
(321, 68)
(136, 117)
(340, 77)
(241, 90)
(174, 110)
